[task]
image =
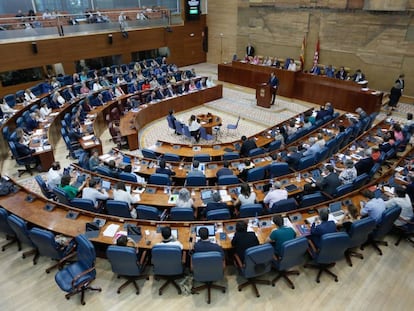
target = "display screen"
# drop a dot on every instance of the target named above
(192, 9)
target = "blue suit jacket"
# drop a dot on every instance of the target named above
(317, 231)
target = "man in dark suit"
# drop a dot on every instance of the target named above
(224, 170)
(364, 165)
(249, 50)
(204, 245)
(358, 76)
(247, 145)
(24, 151)
(162, 169)
(274, 84)
(242, 239)
(326, 226)
(330, 182)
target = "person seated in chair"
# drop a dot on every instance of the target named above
(31, 122)
(196, 171)
(121, 194)
(280, 235)
(275, 194)
(246, 196)
(248, 165)
(194, 128)
(168, 239)
(163, 169)
(54, 175)
(114, 169)
(205, 245)
(364, 165)
(93, 192)
(23, 151)
(402, 200)
(65, 185)
(325, 226)
(184, 198)
(330, 181)
(225, 170)
(243, 239)
(247, 145)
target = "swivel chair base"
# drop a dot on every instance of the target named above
(285, 275)
(375, 244)
(352, 253)
(253, 282)
(170, 279)
(208, 286)
(11, 240)
(132, 280)
(82, 291)
(322, 268)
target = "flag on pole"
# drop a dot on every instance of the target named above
(316, 56)
(302, 53)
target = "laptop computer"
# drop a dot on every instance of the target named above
(79, 181)
(316, 174)
(211, 232)
(105, 184)
(335, 209)
(126, 160)
(237, 146)
(207, 196)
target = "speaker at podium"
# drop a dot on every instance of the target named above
(263, 95)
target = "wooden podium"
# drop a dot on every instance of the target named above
(263, 95)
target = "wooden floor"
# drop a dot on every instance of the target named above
(375, 283)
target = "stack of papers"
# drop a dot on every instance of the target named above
(111, 230)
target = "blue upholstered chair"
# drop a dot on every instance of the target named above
(358, 234)
(171, 124)
(171, 157)
(231, 155)
(343, 189)
(104, 170)
(118, 208)
(202, 157)
(218, 214)
(233, 127)
(149, 154)
(227, 180)
(250, 210)
(26, 161)
(204, 135)
(274, 145)
(159, 179)
(46, 245)
(374, 169)
(195, 181)
(85, 204)
(257, 262)
(383, 228)
(43, 187)
(124, 262)
(256, 151)
(181, 214)
(332, 248)
(19, 226)
(77, 277)
(255, 174)
(167, 261)
(148, 212)
(312, 199)
(406, 231)
(61, 195)
(278, 169)
(7, 230)
(282, 206)
(207, 268)
(305, 162)
(360, 181)
(128, 177)
(292, 254)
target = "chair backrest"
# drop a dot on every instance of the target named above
(374, 169)
(343, 189)
(387, 221)
(148, 212)
(195, 181)
(279, 169)
(123, 260)
(6, 132)
(19, 227)
(171, 123)
(275, 145)
(128, 177)
(167, 259)
(179, 127)
(332, 247)
(322, 154)
(181, 213)
(207, 266)
(205, 136)
(104, 170)
(118, 208)
(148, 153)
(85, 204)
(85, 251)
(312, 199)
(256, 151)
(159, 179)
(292, 253)
(257, 260)
(250, 210)
(4, 225)
(255, 174)
(360, 181)
(231, 155)
(305, 162)
(360, 230)
(228, 180)
(218, 214)
(45, 243)
(43, 187)
(285, 205)
(61, 195)
(202, 157)
(171, 157)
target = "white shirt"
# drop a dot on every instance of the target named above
(209, 83)
(44, 112)
(171, 242)
(406, 208)
(292, 67)
(94, 195)
(274, 196)
(250, 200)
(53, 178)
(61, 100)
(29, 96)
(97, 86)
(194, 126)
(121, 195)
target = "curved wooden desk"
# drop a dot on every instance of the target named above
(209, 121)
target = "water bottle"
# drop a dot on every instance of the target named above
(298, 177)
